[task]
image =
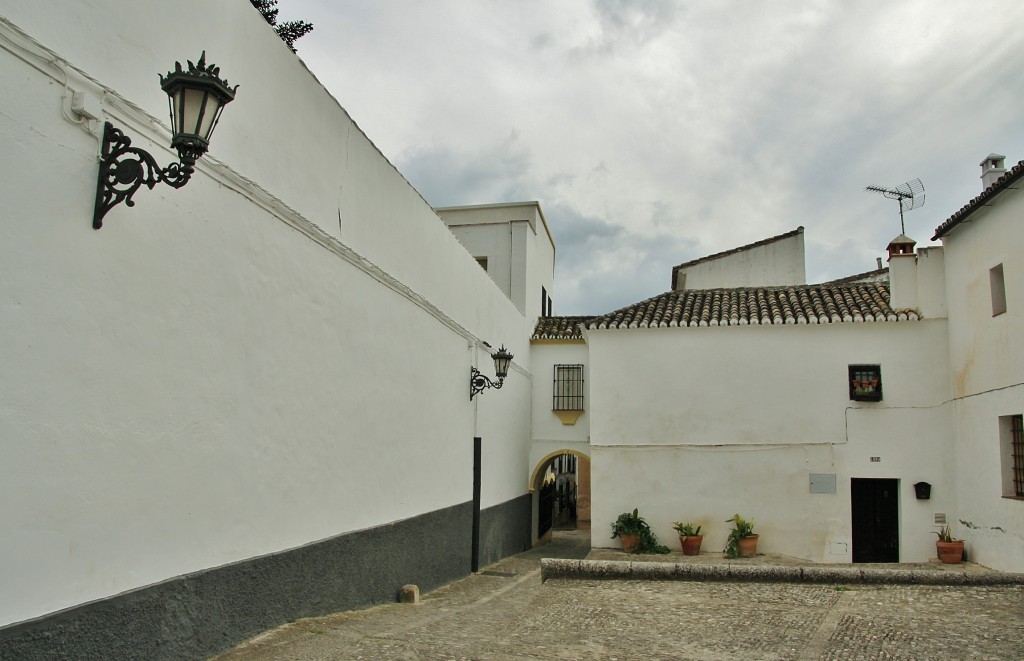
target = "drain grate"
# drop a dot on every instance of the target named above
(502, 574)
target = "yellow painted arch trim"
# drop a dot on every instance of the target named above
(544, 461)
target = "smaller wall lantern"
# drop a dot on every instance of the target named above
(865, 383)
(478, 382)
(196, 98)
(923, 490)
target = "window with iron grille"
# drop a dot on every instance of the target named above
(865, 383)
(568, 388)
(1012, 433)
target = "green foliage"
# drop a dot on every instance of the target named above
(686, 529)
(740, 528)
(289, 31)
(631, 523)
(945, 534)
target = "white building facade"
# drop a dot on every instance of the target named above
(247, 400)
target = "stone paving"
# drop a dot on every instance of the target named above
(505, 612)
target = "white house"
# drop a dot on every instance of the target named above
(984, 293)
(819, 410)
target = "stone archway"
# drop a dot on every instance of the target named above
(560, 469)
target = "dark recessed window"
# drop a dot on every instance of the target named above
(568, 388)
(866, 383)
(482, 261)
(1011, 431)
(998, 288)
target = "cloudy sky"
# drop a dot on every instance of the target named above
(654, 132)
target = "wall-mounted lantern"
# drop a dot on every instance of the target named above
(478, 382)
(196, 98)
(923, 490)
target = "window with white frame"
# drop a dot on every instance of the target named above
(568, 388)
(1011, 441)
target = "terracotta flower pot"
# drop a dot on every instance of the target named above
(629, 542)
(691, 544)
(950, 553)
(747, 546)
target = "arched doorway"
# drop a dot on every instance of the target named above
(561, 487)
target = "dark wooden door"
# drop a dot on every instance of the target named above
(545, 508)
(876, 525)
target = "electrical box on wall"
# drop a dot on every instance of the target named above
(823, 482)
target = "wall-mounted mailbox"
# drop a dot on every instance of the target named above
(923, 490)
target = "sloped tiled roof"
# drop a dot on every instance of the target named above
(733, 251)
(997, 186)
(559, 328)
(797, 304)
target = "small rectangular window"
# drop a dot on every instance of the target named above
(998, 287)
(1011, 440)
(482, 261)
(568, 388)
(543, 302)
(865, 383)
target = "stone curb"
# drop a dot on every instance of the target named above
(665, 571)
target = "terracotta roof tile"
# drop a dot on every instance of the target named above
(829, 303)
(997, 186)
(559, 328)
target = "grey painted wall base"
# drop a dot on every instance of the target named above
(505, 529)
(198, 615)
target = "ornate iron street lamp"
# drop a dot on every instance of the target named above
(196, 98)
(478, 382)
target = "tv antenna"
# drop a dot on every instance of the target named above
(910, 196)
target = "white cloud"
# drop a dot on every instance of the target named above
(656, 132)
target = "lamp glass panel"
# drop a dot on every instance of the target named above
(177, 110)
(193, 108)
(209, 116)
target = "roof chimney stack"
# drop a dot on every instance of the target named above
(992, 168)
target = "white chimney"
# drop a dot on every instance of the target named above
(991, 169)
(902, 273)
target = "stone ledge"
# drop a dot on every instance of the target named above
(665, 571)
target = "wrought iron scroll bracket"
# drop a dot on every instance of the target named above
(478, 383)
(124, 169)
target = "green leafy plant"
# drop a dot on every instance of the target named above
(945, 534)
(631, 523)
(288, 31)
(686, 529)
(740, 528)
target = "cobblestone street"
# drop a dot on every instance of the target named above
(505, 612)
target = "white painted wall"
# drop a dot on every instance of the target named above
(515, 239)
(224, 370)
(549, 434)
(987, 364)
(780, 262)
(700, 423)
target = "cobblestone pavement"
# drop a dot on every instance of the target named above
(505, 612)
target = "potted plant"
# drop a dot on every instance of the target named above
(951, 550)
(742, 542)
(636, 534)
(689, 537)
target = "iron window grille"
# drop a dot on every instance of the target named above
(568, 388)
(1017, 452)
(865, 383)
